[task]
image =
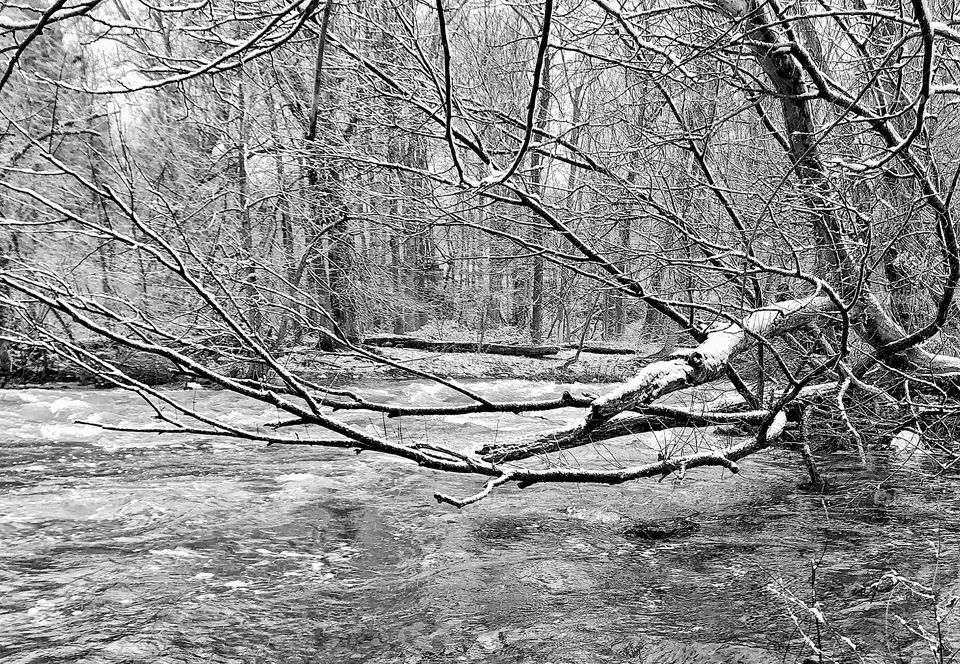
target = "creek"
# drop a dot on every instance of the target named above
(124, 547)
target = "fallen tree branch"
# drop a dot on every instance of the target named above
(401, 341)
(565, 400)
(652, 418)
(477, 497)
(724, 411)
(708, 361)
(725, 457)
(686, 368)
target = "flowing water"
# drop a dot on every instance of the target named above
(120, 547)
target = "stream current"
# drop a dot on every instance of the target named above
(123, 547)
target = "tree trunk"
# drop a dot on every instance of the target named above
(254, 316)
(325, 185)
(868, 317)
(289, 321)
(341, 268)
(399, 326)
(538, 187)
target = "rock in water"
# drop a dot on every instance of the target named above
(660, 529)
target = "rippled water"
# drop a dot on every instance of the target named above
(130, 547)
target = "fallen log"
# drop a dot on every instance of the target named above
(402, 341)
(688, 367)
(601, 350)
(685, 368)
(36, 364)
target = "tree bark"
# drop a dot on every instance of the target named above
(253, 314)
(538, 187)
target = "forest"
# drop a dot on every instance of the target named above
(764, 191)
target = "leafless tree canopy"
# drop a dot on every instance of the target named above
(765, 190)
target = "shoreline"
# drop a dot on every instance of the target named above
(341, 368)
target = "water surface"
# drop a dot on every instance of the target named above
(120, 547)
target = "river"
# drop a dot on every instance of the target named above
(120, 547)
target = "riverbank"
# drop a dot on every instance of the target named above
(339, 367)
